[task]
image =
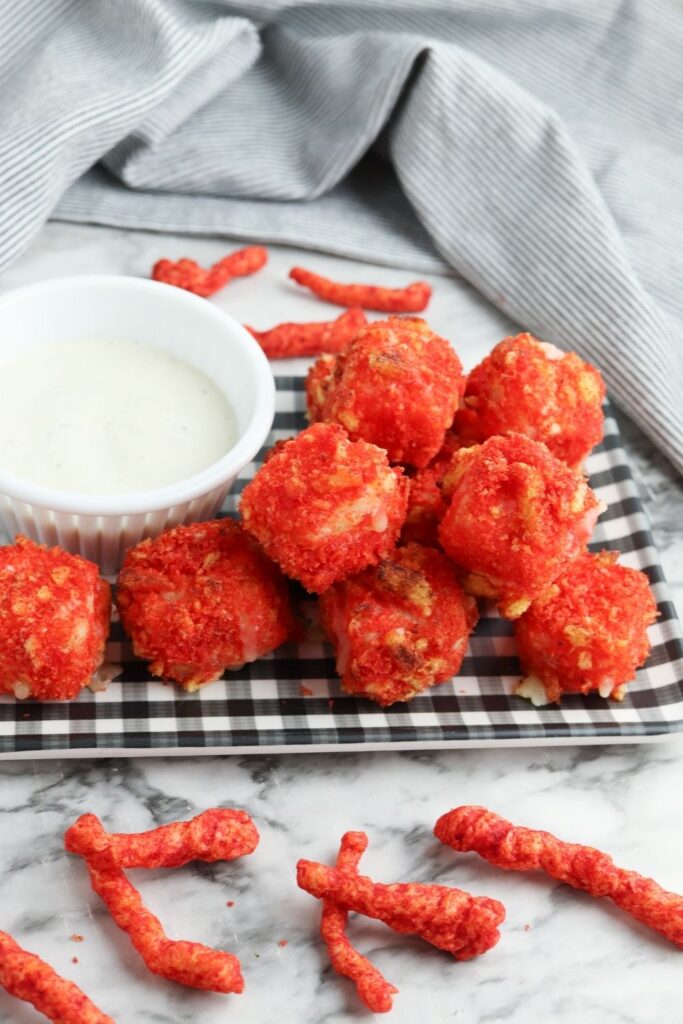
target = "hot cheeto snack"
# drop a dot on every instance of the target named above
(448, 918)
(27, 977)
(54, 621)
(324, 507)
(200, 599)
(529, 387)
(372, 988)
(216, 834)
(516, 520)
(587, 631)
(288, 340)
(524, 849)
(189, 275)
(397, 385)
(411, 299)
(187, 963)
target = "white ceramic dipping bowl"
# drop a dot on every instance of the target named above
(102, 527)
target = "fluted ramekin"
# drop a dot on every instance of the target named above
(102, 527)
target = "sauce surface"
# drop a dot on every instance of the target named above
(109, 417)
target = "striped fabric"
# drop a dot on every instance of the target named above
(535, 148)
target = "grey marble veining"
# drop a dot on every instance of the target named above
(562, 957)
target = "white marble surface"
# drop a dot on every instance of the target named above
(563, 957)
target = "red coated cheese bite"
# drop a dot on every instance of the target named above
(54, 621)
(517, 517)
(527, 386)
(399, 627)
(318, 381)
(325, 507)
(397, 385)
(200, 599)
(427, 503)
(587, 631)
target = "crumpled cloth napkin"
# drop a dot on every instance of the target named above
(534, 147)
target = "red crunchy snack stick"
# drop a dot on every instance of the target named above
(189, 275)
(27, 977)
(372, 988)
(188, 963)
(288, 340)
(448, 918)
(216, 834)
(412, 299)
(524, 849)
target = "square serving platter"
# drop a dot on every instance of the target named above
(292, 700)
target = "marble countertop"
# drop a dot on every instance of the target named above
(563, 956)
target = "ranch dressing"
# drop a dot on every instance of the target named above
(109, 417)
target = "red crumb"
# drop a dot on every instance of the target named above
(74, 960)
(189, 275)
(201, 599)
(283, 942)
(516, 520)
(411, 299)
(527, 927)
(230, 903)
(400, 627)
(396, 385)
(54, 621)
(304, 691)
(285, 341)
(514, 848)
(528, 387)
(588, 630)
(324, 507)
(76, 938)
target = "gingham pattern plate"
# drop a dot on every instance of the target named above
(292, 700)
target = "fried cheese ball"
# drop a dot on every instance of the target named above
(526, 386)
(54, 621)
(318, 381)
(587, 631)
(324, 507)
(426, 501)
(399, 627)
(200, 599)
(397, 385)
(517, 517)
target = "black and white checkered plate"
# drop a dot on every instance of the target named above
(292, 700)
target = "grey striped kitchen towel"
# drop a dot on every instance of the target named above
(534, 146)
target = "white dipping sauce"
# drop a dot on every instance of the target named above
(109, 417)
